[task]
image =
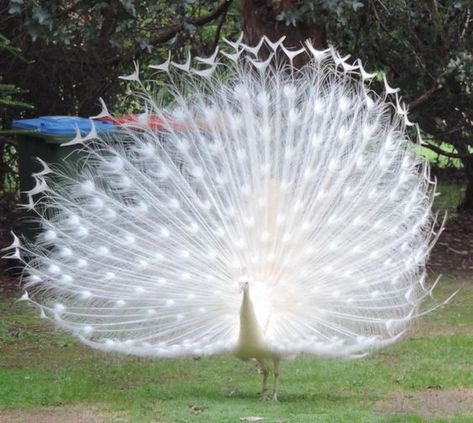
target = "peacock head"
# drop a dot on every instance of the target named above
(244, 286)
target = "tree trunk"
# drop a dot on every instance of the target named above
(467, 203)
(259, 18)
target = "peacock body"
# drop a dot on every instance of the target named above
(276, 211)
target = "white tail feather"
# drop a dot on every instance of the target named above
(300, 182)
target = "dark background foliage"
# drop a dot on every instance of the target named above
(64, 55)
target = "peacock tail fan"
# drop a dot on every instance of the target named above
(301, 182)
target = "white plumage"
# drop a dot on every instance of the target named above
(298, 188)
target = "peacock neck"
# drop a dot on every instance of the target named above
(251, 336)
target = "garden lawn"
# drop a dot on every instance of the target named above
(45, 375)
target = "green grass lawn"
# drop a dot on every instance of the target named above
(43, 370)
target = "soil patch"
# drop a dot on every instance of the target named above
(425, 328)
(74, 414)
(9, 286)
(453, 252)
(428, 404)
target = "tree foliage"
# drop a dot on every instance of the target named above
(10, 94)
(10, 99)
(425, 47)
(79, 48)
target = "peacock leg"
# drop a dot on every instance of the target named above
(264, 388)
(276, 379)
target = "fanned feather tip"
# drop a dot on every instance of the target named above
(300, 181)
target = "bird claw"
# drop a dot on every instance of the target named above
(266, 397)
